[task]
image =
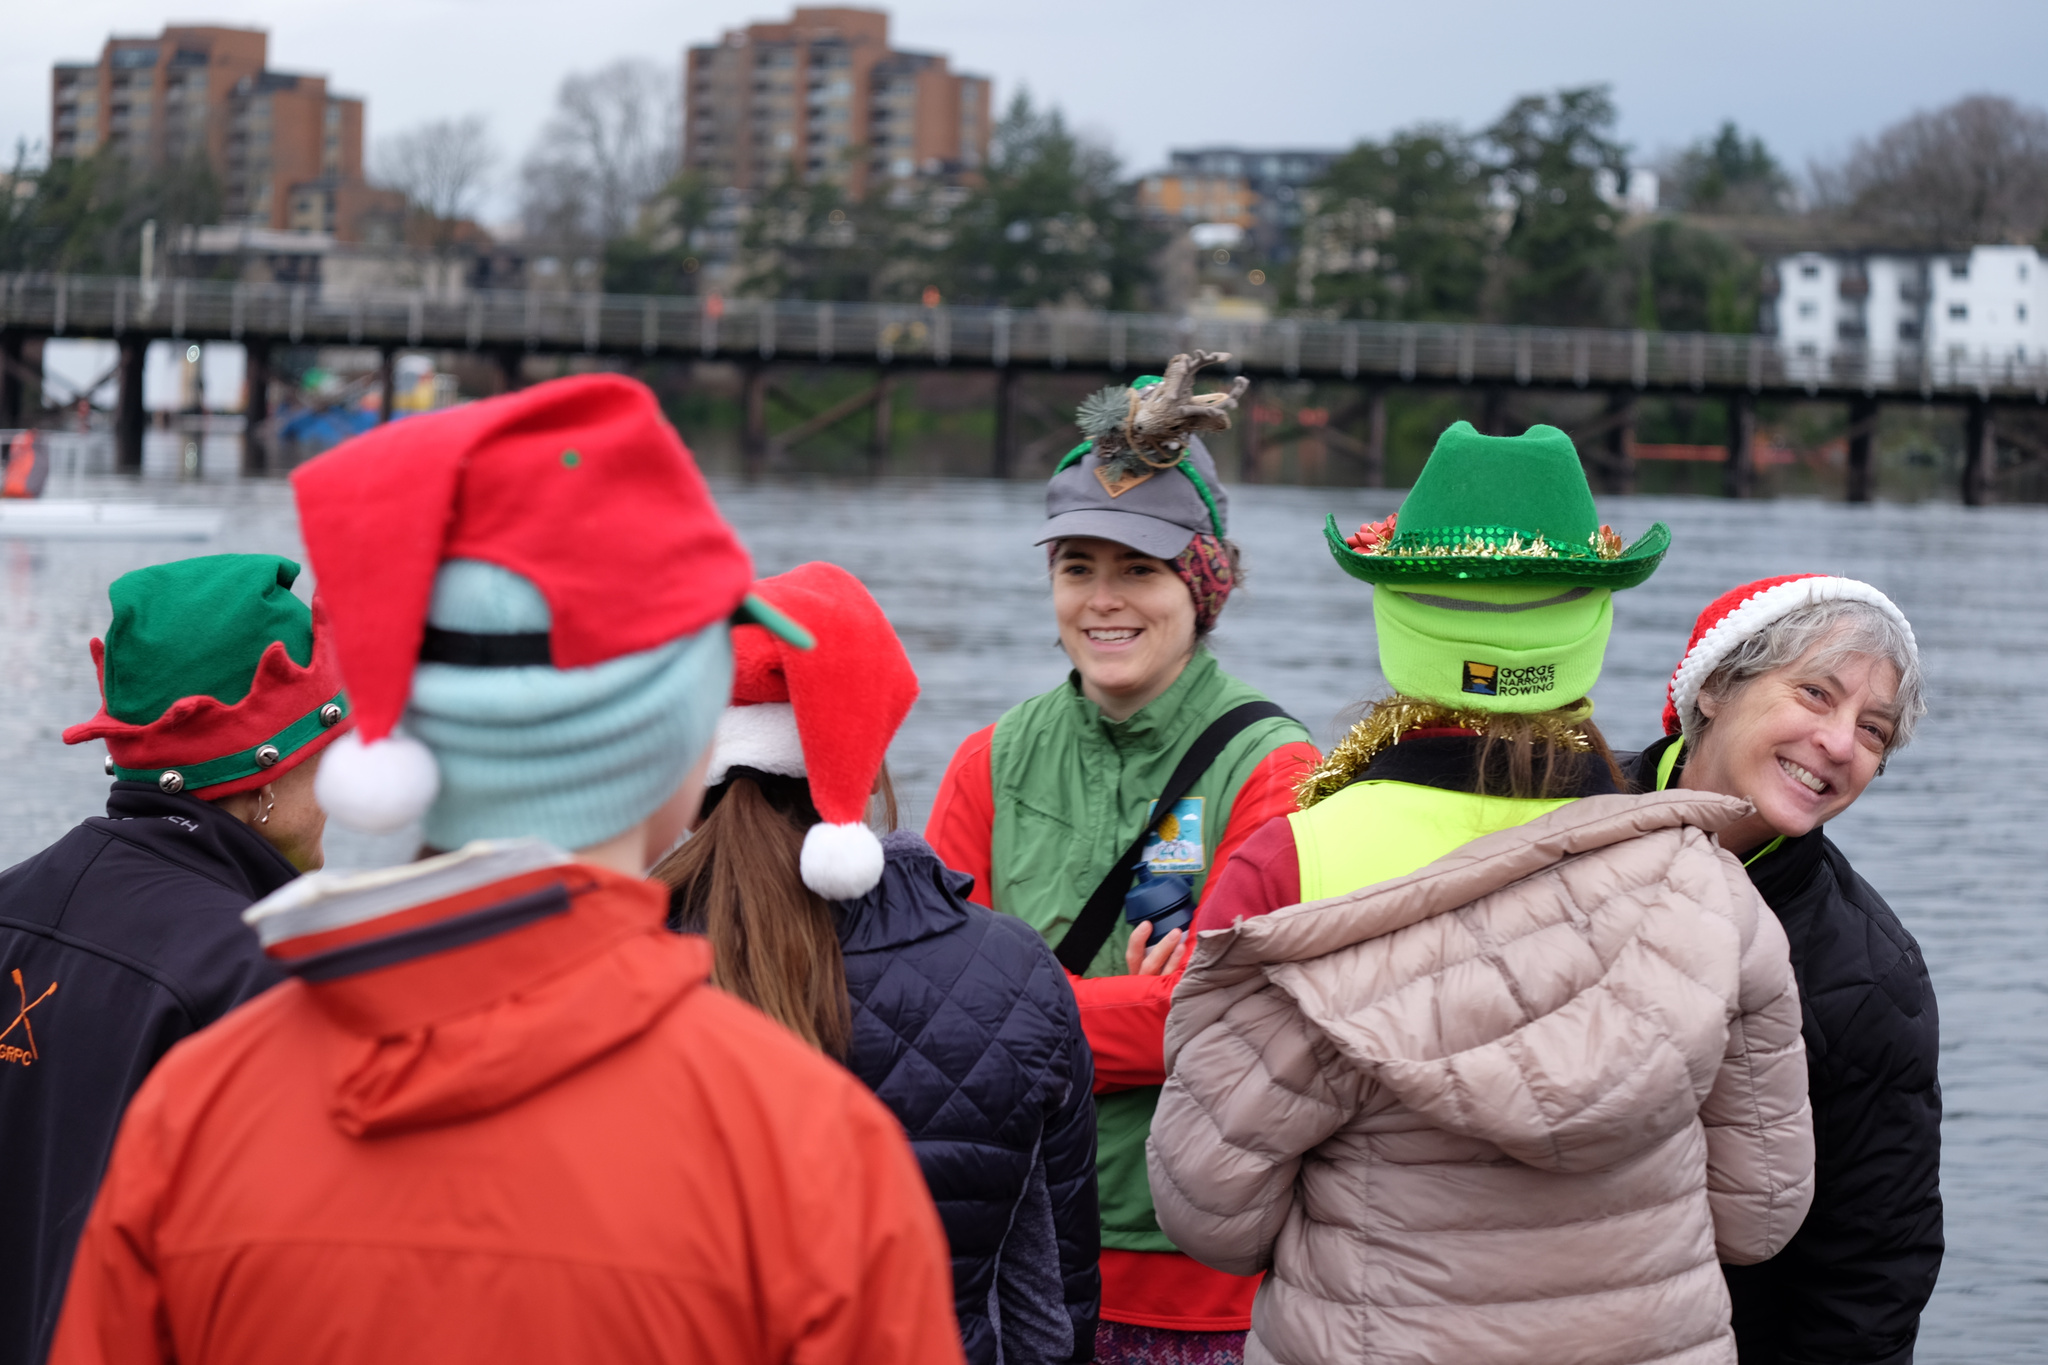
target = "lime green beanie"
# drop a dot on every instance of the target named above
(1493, 646)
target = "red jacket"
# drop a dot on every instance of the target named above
(511, 1123)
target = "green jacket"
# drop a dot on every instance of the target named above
(1071, 791)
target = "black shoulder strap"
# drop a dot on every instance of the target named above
(1091, 928)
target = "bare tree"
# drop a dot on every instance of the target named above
(442, 168)
(608, 148)
(1974, 172)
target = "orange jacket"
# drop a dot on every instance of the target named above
(508, 1124)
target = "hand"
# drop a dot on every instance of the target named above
(1166, 958)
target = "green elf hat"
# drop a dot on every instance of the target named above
(1499, 509)
(214, 678)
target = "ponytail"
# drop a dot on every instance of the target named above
(774, 941)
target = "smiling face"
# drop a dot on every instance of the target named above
(1800, 743)
(1126, 620)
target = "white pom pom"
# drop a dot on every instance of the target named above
(376, 788)
(841, 862)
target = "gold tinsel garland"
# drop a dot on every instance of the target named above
(1394, 717)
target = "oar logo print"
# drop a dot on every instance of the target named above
(10, 1052)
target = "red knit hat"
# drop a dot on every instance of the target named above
(578, 485)
(1742, 612)
(826, 714)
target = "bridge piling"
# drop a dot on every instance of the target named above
(1376, 438)
(12, 390)
(1618, 463)
(387, 382)
(882, 436)
(1738, 475)
(1005, 452)
(1980, 455)
(753, 418)
(128, 414)
(1861, 478)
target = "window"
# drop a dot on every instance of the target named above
(1959, 270)
(1809, 270)
(1909, 331)
(1808, 309)
(2019, 312)
(1959, 312)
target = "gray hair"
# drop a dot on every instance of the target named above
(1840, 629)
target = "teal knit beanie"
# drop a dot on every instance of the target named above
(573, 756)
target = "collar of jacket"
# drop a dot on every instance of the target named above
(1449, 761)
(452, 948)
(1779, 873)
(195, 835)
(918, 898)
(1160, 721)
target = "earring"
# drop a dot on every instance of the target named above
(270, 804)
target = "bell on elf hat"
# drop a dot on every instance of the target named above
(214, 677)
(1743, 612)
(590, 537)
(826, 715)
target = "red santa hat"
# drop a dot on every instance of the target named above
(825, 714)
(1742, 612)
(579, 485)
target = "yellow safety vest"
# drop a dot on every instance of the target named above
(1375, 831)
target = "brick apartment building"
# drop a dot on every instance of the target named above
(286, 152)
(823, 97)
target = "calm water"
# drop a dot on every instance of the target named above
(1951, 834)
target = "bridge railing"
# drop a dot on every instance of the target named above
(908, 334)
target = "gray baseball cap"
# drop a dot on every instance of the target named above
(1158, 513)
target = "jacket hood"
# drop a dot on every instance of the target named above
(1551, 989)
(467, 982)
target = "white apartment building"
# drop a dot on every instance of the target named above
(1947, 314)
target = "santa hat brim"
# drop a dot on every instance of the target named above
(1753, 615)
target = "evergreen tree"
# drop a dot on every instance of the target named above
(1561, 257)
(1398, 230)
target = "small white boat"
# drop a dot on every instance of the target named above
(81, 519)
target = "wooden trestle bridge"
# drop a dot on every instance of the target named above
(891, 339)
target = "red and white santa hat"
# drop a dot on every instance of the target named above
(1742, 612)
(579, 485)
(825, 714)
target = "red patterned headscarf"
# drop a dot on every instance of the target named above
(1206, 568)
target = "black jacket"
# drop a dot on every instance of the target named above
(966, 1027)
(116, 941)
(1849, 1288)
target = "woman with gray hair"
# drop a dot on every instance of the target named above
(1793, 694)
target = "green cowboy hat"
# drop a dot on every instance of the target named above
(1499, 507)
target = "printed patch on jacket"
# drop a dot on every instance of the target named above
(18, 1039)
(1175, 844)
(1491, 680)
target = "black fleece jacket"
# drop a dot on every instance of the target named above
(116, 942)
(1849, 1288)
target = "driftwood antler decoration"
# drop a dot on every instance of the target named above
(1152, 426)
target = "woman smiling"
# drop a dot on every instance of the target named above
(1044, 808)
(1793, 694)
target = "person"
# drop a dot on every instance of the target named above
(219, 693)
(959, 1019)
(1793, 694)
(1040, 806)
(1527, 1059)
(495, 1113)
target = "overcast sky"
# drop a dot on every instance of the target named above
(1809, 75)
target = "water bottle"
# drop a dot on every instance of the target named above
(1167, 901)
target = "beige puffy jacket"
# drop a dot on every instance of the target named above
(1511, 1108)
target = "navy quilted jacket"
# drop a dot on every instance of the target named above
(965, 1026)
